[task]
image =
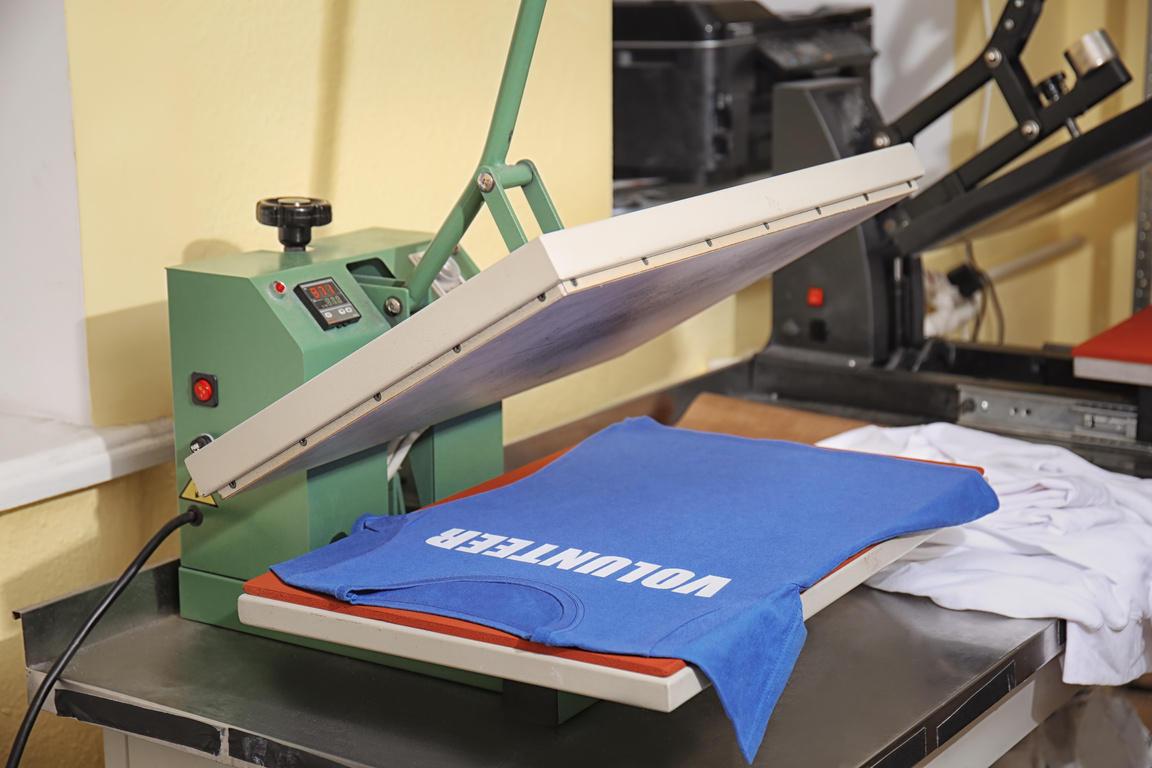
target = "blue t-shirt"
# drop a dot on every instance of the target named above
(652, 541)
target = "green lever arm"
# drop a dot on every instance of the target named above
(500, 131)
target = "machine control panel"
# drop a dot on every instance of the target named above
(327, 303)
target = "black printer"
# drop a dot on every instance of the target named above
(693, 81)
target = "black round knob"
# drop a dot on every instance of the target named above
(199, 442)
(1052, 88)
(295, 217)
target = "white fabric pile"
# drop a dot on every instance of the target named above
(1070, 540)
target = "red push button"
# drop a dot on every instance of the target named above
(815, 297)
(204, 390)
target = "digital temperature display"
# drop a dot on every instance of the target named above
(327, 303)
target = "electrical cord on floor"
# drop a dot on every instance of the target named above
(192, 517)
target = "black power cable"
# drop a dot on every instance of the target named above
(990, 289)
(970, 278)
(192, 517)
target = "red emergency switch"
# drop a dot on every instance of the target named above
(815, 296)
(204, 390)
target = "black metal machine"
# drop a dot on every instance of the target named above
(693, 81)
(848, 319)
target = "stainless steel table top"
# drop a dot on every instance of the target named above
(879, 678)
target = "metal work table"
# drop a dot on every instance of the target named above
(881, 679)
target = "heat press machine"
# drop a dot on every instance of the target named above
(848, 319)
(302, 377)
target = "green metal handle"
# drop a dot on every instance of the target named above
(495, 152)
(512, 83)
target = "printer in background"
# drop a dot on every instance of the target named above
(692, 81)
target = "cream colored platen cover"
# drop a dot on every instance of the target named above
(565, 301)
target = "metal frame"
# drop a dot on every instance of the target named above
(998, 62)
(1076, 167)
(885, 325)
(493, 177)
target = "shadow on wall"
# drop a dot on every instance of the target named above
(198, 250)
(57, 546)
(129, 365)
(753, 317)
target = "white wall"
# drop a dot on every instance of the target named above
(43, 359)
(915, 39)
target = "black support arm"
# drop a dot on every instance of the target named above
(1000, 60)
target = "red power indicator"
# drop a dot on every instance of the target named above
(202, 390)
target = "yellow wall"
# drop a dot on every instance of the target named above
(58, 546)
(1090, 289)
(188, 112)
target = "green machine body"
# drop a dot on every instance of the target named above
(247, 329)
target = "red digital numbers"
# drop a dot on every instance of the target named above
(322, 290)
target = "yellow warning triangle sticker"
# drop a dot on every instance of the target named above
(191, 494)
